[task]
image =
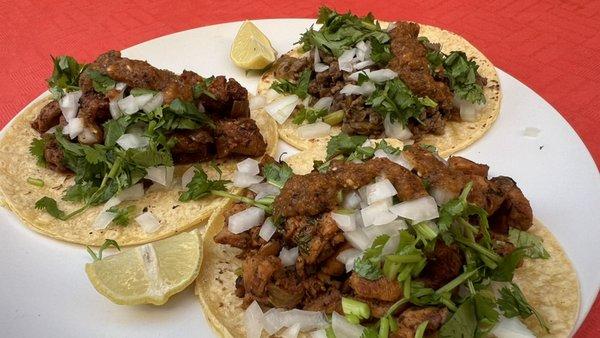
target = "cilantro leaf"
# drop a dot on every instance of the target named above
(201, 186)
(506, 268)
(369, 264)
(123, 216)
(107, 243)
(380, 52)
(100, 82)
(512, 302)
(300, 88)
(51, 207)
(532, 244)
(80, 192)
(309, 115)
(277, 173)
(389, 149)
(343, 144)
(463, 322)
(113, 129)
(201, 88)
(461, 73)
(36, 148)
(65, 76)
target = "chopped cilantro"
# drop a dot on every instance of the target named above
(532, 244)
(309, 115)
(123, 216)
(277, 173)
(300, 88)
(200, 186)
(512, 302)
(100, 82)
(107, 243)
(65, 76)
(461, 73)
(36, 148)
(343, 144)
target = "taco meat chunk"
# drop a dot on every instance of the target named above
(288, 67)
(239, 137)
(48, 117)
(443, 265)
(226, 97)
(379, 289)
(410, 319)
(192, 146)
(54, 156)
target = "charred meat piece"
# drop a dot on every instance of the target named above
(100, 65)
(380, 289)
(258, 272)
(48, 117)
(327, 302)
(307, 195)
(411, 64)
(443, 265)
(467, 166)
(411, 318)
(515, 211)
(288, 67)
(239, 137)
(328, 82)
(229, 99)
(54, 156)
(94, 111)
(192, 146)
(321, 243)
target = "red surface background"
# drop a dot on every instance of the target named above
(552, 46)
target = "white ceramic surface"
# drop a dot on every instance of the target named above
(44, 290)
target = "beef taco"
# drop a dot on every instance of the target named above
(117, 150)
(404, 80)
(385, 241)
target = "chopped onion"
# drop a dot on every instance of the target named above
(314, 130)
(257, 102)
(73, 128)
(358, 239)
(318, 334)
(346, 222)
(441, 195)
(271, 95)
(51, 130)
(267, 230)
(389, 229)
(321, 67)
(155, 102)
(128, 141)
(380, 190)
(291, 332)
(132, 193)
(87, 136)
(306, 101)
(343, 328)
(531, 132)
(103, 220)
(308, 320)
(187, 176)
(391, 26)
(69, 104)
(113, 201)
(348, 257)
(281, 108)
(160, 174)
(264, 189)
(354, 76)
(253, 319)
(148, 222)
(244, 180)
(248, 166)
(141, 100)
(377, 213)
(115, 111)
(363, 64)
(323, 103)
(345, 60)
(382, 75)
(511, 328)
(273, 320)
(417, 210)
(363, 51)
(351, 200)
(396, 129)
(128, 105)
(391, 245)
(468, 111)
(245, 220)
(288, 257)
(364, 89)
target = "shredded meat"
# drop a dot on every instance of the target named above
(239, 137)
(360, 119)
(288, 67)
(48, 117)
(411, 318)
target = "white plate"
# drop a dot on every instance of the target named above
(43, 287)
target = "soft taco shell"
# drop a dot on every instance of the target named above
(550, 285)
(17, 164)
(457, 135)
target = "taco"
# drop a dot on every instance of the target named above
(386, 241)
(121, 140)
(404, 80)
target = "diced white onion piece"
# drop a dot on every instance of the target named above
(155, 102)
(389, 229)
(348, 257)
(380, 190)
(468, 111)
(257, 102)
(354, 76)
(363, 64)
(306, 100)
(511, 328)
(364, 89)
(132, 193)
(380, 153)
(273, 320)
(308, 320)
(245, 220)
(396, 129)
(248, 166)
(120, 86)
(345, 60)
(321, 67)
(69, 104)
(417, 210)
(531, 132)
(187, 176)
(401, 160)
(391, 26)
(51, 130)
(244, 180)
(113, 201)
(288, 257)
(128, 105)
(103, 220)
(382, 75)
(391, 245)
(73, 128)
(267, 230)
(318, 334)
(280, 109)
(441, 195)
(346, 222)
(358, 239)
(314, 130)
(128, 141)
(323, 103)
(160, 174)
(291, 332)
(377, 213)
(316, 56)
(87, 136)
(351, 200)
(115, 111)
(264, 189)
(343, 328)
(253, 319)
(148, 222)
(271, 95)
(141, 100)
(363, 51)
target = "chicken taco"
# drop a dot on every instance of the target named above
(404, 80)
(380, 240)
(116, 150)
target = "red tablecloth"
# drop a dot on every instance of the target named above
(552, 46)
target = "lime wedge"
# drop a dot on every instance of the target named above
(251, 49)
(150, 273)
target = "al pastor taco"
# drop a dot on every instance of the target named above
(121, 140)
(404, 80)
(381, 240)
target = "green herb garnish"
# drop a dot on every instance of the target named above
(299, 89)
(107, 243)
(65, 76)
